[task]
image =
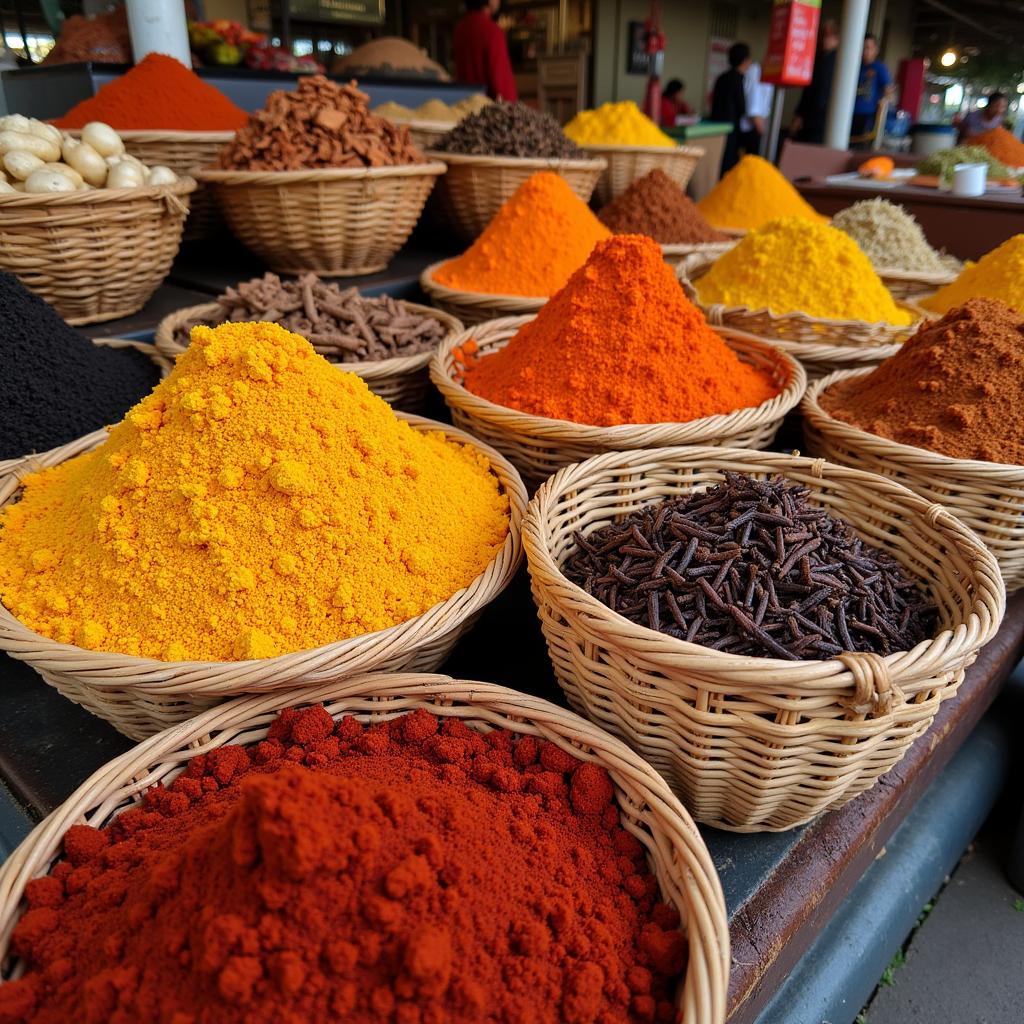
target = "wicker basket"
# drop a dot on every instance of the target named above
(538, 446)
(425, 134)
(94, 255)
(986, 496)
(757, 744)
(403, 381)
(476, 187)
(627, 163)
(677, 252)
(907, 285)
(338, 222)
(475, 307)
(675, 849)
(821, 345)
(140, 696)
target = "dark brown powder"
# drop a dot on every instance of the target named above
(956, 387)
(656, 206)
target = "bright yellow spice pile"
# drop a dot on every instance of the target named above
(616, 124)
(793, 265)
(259, 501)
(999, 274)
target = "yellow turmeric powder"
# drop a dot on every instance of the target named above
(616, 124)
(258, 501)
(999, 274)
(753, 193)
(796, 266)
(542, 233)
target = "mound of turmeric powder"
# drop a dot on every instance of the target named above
(258, 501)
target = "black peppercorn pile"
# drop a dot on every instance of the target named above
(55, 384)
(510, 129)
(751, 567)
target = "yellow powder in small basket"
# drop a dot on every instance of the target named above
(258, 501)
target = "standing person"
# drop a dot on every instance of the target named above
(757, 96)
(874, 83)
(481, 51)
(808, 124)
(984, 119)
(729, 104)
(673, 105)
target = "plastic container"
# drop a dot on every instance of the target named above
(969, 179)
(930, 138)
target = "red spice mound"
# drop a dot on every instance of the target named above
(158, 94)
(620, 343)
(956, 387)
(416, 872)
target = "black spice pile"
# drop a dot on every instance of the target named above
(55, 384)
(340, 323)
(510, 129)
(750, 567)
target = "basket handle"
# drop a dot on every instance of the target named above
(874, 692)
(715, 315)
(174, 204)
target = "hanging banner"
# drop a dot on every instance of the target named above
(792, 40)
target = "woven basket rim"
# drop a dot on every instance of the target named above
(945, 642)
(812, 409)
(689, 275)
(688, 248)
(166, 135)
(370, 369)
(314, 174)
(673, 150)
(540, 163)
(938, 278)
(96, 196)
(424, 124)
(160, 675)
(696, 889)
(429, 285)
(568, 431)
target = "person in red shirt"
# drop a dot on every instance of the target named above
(481, 51)
(673, 104)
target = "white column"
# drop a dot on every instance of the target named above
(159, 26)
(847, 73)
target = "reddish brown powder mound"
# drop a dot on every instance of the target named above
(413, 872)
(956, 387)
(656, 206)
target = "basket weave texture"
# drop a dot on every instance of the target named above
(94, 255)
(987, 497)
(476, 187)
(337, 222)
(141, 696)
(821, 345)
(908, 285)
(627, 163)
(403, 382)
(475, 307)
(757, 744)
(538, 446)
(675, 849)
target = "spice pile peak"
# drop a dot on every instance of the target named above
(616, 124)
(262, 486)
(999, 275)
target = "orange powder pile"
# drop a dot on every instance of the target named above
(531, 247)
(620, 343)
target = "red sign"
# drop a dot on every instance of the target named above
(792, 39)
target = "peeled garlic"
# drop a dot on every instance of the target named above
(161, 175)
(89, 164)
(45, 180)
(124, 175)
(102, 138)
(20, 164)
(45, 149)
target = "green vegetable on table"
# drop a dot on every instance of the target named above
(943, 162)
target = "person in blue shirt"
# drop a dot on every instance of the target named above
(874, 83)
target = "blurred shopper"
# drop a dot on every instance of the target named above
(985, 118)
(481, 51)
(808, 124)
(729, 103)
(757, 96)
(874, 84)
(673, 105)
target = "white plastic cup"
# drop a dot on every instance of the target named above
(969, 179)
(159, 26)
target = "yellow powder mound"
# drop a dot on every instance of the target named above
(258, 501)
(797, 266)
(999, 274)
(616, 124)
(751, 194)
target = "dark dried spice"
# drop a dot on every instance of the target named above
(803, 585)
(510, 129)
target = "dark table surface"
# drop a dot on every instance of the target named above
(781, 889)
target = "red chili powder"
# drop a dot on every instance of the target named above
(416, 872)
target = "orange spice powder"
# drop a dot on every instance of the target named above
(620, 343)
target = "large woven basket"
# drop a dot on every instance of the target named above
(908, 285)
(988, 497)
(538, 446)
(675, 849)
(475, 307)
(141, 696)
(627, 163)
(757, 744)
(821, 345)
(96, 254)
(337, 222)
(403, 381)
(476, 187)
